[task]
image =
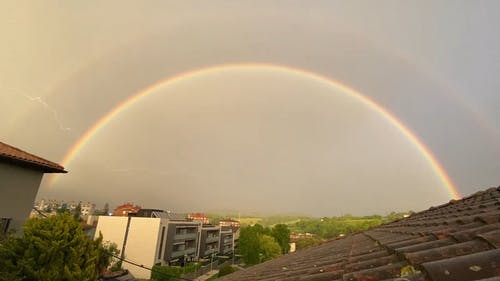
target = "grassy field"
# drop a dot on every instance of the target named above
(250, 221)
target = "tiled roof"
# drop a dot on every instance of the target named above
(458, 241)
(17, 156)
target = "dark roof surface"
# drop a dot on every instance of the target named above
(17, 156)
(459, 241)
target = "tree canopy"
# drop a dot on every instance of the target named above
(306, 242)
(249, 244)
(256, 244)
(335, 226)
(165, 273)
(269, 248)
(281, 234)
(53, 249)
(77, 213)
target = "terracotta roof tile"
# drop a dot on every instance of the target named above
(459, 240)
(470, 267)
(454, 250)
(492, 237)
(15, 155)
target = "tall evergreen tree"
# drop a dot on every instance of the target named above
(281, 234)
(249, 244)
(77, 213)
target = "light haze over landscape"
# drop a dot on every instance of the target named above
(272, 138)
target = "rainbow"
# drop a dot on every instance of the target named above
(108, 117)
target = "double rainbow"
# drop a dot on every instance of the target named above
(120, 108)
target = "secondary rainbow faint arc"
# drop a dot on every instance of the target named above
(97, 126)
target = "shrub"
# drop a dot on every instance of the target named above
(225, 270)
(165, 273)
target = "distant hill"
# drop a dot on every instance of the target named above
(323, 227)
(270, 220)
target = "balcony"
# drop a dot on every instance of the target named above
(211, 251)
(190, 251)
(180, 253)
(185, 236)
(211, 239)
(227, 250)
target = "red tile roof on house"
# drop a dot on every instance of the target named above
(458, 241)
(126, 209)
(17, 156)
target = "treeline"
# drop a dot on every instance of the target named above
(271, 220)
(327, 228)
(266, 221)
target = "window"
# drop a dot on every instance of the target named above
(4, 225)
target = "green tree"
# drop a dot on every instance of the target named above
(108, 254)
(77, 213)
(165, 273)
(256, 244)
(303, 243)
(249, 244)
(281, 234)
(54, 249)
(258, 228)
(4, 274)
(269, 248)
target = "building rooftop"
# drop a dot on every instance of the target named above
(17, 156)
(459, 241)
(158, 213)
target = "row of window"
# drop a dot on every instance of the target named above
(211, 246)
(185, 230)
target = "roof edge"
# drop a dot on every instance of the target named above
(32, 165)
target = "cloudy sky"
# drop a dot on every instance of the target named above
(259, 139)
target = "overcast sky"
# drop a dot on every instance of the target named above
(256, 141)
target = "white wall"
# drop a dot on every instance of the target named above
(112, 229)
(18, 189)
(142, 241)
(142, 245)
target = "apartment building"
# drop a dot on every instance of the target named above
(200, 217)
(87, 209)
(226, 242)
(151, 237)
(181, 243)
(209, 241)
(229, 223)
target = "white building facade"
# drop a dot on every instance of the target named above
(151, 240)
